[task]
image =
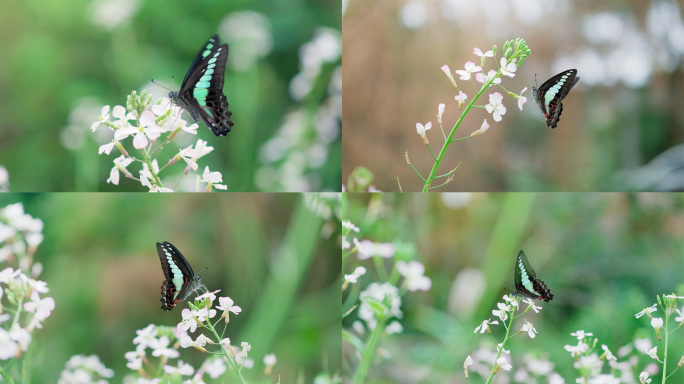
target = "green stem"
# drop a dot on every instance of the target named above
(667, 334)
(503, 344)
(369, 352)
(442, 152)
(226, 353)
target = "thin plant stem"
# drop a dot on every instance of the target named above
(501, 348)
(369, 351)
(442, 152)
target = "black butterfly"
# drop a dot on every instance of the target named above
(201, 93)
(180, 280)
(550, 95)
(526, 282)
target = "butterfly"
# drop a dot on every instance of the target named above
(180, 280)
(201, 93)
(526, 282)
(550, 95)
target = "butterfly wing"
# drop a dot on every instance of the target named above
(178, 273)
(201, 93)
(526, 282)
(550, 95)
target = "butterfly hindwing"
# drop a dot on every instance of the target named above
(180, 279)
(526, 282)
(550, 95)
(201, 93)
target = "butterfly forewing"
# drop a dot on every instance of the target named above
(526, 282)
(180, 279)
(201, 93)
(550, 95)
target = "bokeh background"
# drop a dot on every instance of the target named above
(604, 256)
(71, 57)
(273, 254)
(622, 126)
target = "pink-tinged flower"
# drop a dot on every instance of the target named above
(643, 378)
(421, 129)
(226, 305)
(679, 318)
(577, 350)
(440, 112)
(470, 68)
(104, 116)
(213, 179)
(483, 128)
(521, 99)
(394, 327)
(484, 326)
(21, 336)
(182, 369)
(461, 98)
(529, 328)
(606, 351)
(647, 311)
(353, 278)
(189, 322)
(502, 312)
(657, 323)
(41, 308)
(581, 335)
(269, 362)
(482, 78)
(468, 362)
(478, 52)
(495, 107)
(245, 348)
(135, 360)
(146, 337)
(8, 347)
(120, 164)
(161, 348)
(413, 272)
(503, 363)
(653, 352)
(105, 148)
(350, 226)
(367, 249)
(191, 155)
(446, 70)
(214, 367)
(508, 69)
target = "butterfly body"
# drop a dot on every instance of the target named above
(201, 93)
(550, 95)
(526, 282)
(180, 279)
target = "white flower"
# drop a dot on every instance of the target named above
(384, 297)
(529, 328)
(508, 70)
(413, 272)
(503, 363)
(495, 107)
(657, 322)
(354, 276)
(646, 311)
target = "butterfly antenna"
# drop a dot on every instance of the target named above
(160, 85)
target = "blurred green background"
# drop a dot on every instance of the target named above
(268, 252)
(63, 60)
(624, 113)
(604, 257)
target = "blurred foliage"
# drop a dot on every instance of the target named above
(604, 257)
(63, 60)
(268, 252)
(617, 119)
